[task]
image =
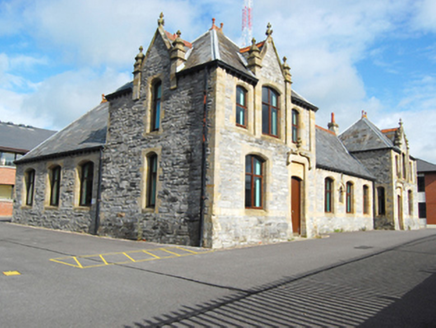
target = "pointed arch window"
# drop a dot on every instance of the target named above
(86, 181)
(241, 107)
(295, 122)
(349, 197)
(55, 180)
(151, 180)
(270, 112)
(254, 168)
(156, 110)
(30, 186)
(328, 193)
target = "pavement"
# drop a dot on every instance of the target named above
(369, 279)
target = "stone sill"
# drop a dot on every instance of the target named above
(255, 212)
(149, 210)
(5, 200)
(26, 207)
(51, 208)
(82, 208)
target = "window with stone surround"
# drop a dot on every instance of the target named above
(365, 199)
(270, 112)
(295, 123)
(254, 176)
(55, 183)
(241, 107)
(29, 177)
(156, 106)
(151, 180)
(349, 198)
(328, 195)
(86, 181)
(381, 210)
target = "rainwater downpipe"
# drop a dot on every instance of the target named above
(203, 162)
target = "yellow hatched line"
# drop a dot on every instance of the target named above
(188, 250)
(55, 260)
(155, 256)
(165, 250)
(103, 259)
(129, 257)
(78, 263)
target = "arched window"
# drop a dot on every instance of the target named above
(155, 110)
(241, 107)
(365, 199)
(254, 181)
(295, 122)
(404, 166)
(151, 180)
(328, 195)
(55, 182)
(381, 201)
(270, 112)
(86, 180)
(349, 198)
(30, 186)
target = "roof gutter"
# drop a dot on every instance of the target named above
(24, 160)
(324, 167)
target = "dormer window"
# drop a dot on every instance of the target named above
(270, 112)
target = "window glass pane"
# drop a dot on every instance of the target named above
(7, 159)
(265, 119)
(257, 167)
(6, 191)
(273, 99)
(294, 117)
(265, 95)
(240, 119)
(274, 120)
(158, 91)
(247, 191)
(248, 164)
(157, 118)
(257, 192)
(240, 96)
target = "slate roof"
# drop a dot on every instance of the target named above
(86, 133)
(363, 136)
(332, 155)
(215, 46)
(21, 138)
(424, 166)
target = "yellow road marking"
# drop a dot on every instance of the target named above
(155, 256)
(129, 257)
(78, 263)
(102, 258)
(165, 250)
(11, 273)
(95, 257)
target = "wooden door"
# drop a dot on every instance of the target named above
(296, 205)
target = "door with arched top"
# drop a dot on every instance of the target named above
(296, 205)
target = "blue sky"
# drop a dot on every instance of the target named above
(58, 56)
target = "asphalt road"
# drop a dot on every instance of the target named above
(369, 279)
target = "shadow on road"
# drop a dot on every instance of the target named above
(392, 288)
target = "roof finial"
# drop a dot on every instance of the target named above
(287, 70)
(269, 31)
(364, 114)
(400, 123)
(161, 21)
(103, 98)
(213, 22)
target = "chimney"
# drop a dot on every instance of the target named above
(333, 126)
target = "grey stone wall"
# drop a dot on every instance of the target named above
(68, 215)
(178, 143)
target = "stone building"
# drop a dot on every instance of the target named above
(208, 145)
(385, 153)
